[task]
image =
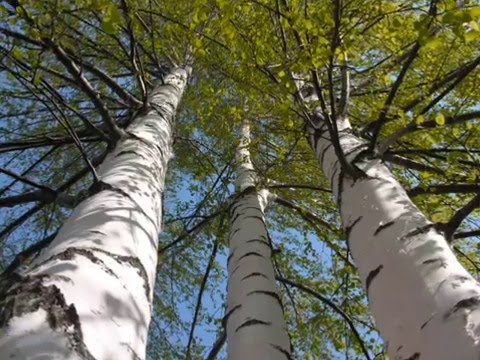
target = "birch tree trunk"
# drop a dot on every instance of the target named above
(425, 304)
(255, 325)
(88, 294)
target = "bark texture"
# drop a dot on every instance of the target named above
(88, 294)
(425, 304)
(255, 325)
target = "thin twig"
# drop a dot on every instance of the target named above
(333, 306)
(199, 297)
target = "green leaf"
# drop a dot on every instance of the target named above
(433, 43)
(440, 119)
(36, 78)
(16, 53)
(470, 36)
(419, 120)
(440, 216)
(108, 27)
(474, 11)
(111, 19)
(114, 15)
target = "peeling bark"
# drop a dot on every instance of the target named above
(424, 302)
(88, 295)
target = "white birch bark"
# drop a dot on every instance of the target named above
(425, 304)
(256, 329)
(88, 294)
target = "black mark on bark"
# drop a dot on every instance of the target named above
(132, 152)
(229, 313)
(383, 227)
(371, 276)
(133, 261)
(252, 322)
(258, 241)
(272, 294)
(322, 156)
(285, 352)
(27, 294)
(250, 253)
(463, 304)
(415, 356)
(349, 228)
(435, 260)
(419, 230)
(254, 274)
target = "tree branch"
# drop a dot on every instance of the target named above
(199, 297)
(455, 221)
(27, 181)
(115, 131)
(465, 256)
(466, 234)
(411, 164)
(391, 95)
(110, 82)
(413, 126)
(297, 186)
(444, 189)
(190, 231)
(332, 306)
(217, 345)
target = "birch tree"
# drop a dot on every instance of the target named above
(87, 294)
(411, 105)
(107, 249)
(367, 195)
(419, 293)
(418, 281)
(254, 315)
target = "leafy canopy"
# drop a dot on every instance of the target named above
(73, 71)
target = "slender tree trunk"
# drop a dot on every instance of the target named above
(88, 294)
(255, 325)
(425, 304)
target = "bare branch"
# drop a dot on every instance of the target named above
(466, 257)
(391, 95)
(26, 255)
(110, 82)
(413, 127)
(217, 346)
(411, 164)
(30, 168)
(72, 180)
(304, 213)
(31, 196)
(298, 186)
(444, 189)
(332, 306)
(457, 218)
(26, 180)
(115, 131)
(466, 234)
(199, 297)
(191, 231)
(458, 74)
(345, 91)
(133, 52)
